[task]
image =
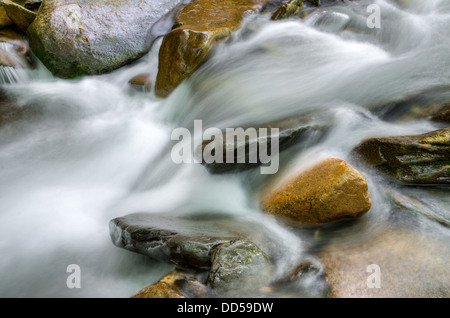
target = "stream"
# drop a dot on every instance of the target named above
(93, 149)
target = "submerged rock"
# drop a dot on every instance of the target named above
(411, 265)
(239, 266)
(327, 192)
(18, 14)
(418, 159)
(413, 203)
(198, 27)
(85, 37)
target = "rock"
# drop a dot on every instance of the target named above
(418, 159)
(239, 267)
(431, 104)
(327, 192)
(5, 21)
(287, 9)
(442, 114)
(221, 248)
(413, 203)
(411, 264)
(14, 50)
(21, 16)
(32, 5)
(86, 37)
(169, 239)
(141, 82)
(198, 27)
(176, 284)
(182, 241)
(292, 131)
(315, 2)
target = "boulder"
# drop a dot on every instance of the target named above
(411, 264)
(442, 114)
(416, 159)
(85, 37)
(431, 104)
(219, 251)
(287, 9)
(413, 203)
(5, 21)
(21, 16)
(198, 27)
(329, 191)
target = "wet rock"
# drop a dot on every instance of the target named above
(198, 27)
(327, 192)
(176, 284)
(287, 9)
(87, 37)
(141, 82)
(21, 16)
(411, 265)
(220, 248)
(418, 159)
(247, 145)
(239, 267)
(413, 203)
(14, 50)
(315, 2)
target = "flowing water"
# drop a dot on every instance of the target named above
(94, 150)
